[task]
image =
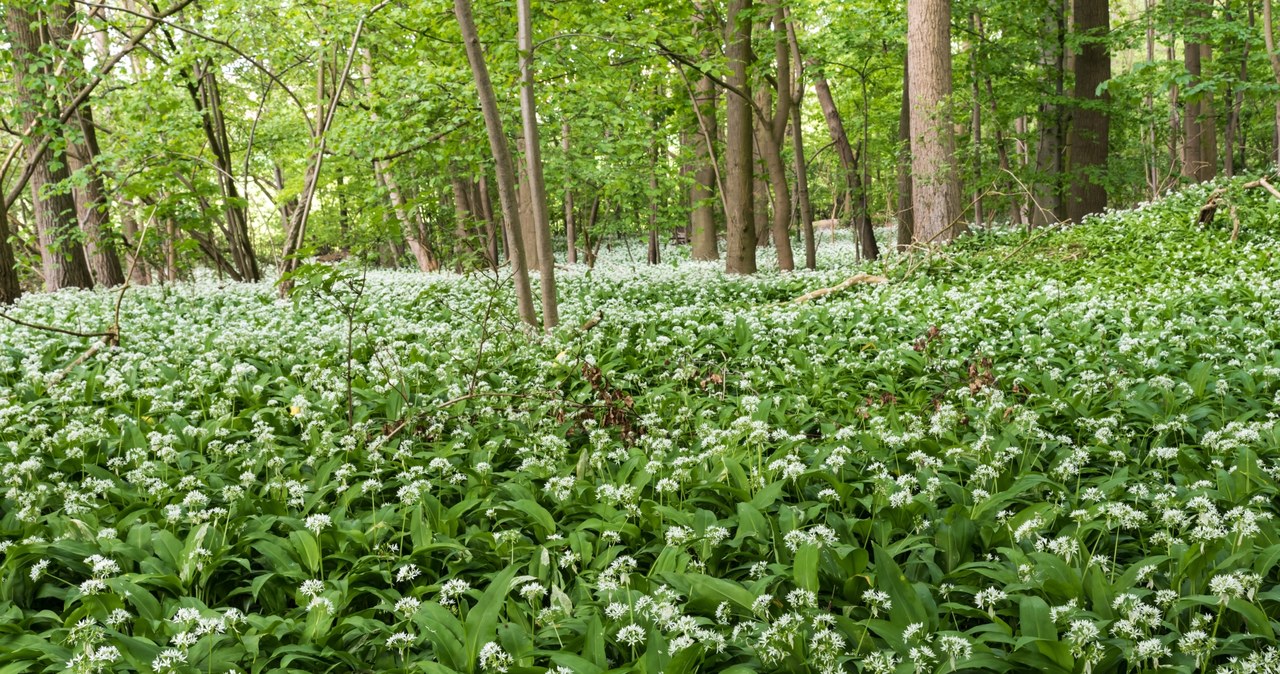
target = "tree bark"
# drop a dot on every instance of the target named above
(905, 216)
(533, 161)
(935, 191)
(1269, 36)
(1090, 128)
(1048, 202)
(740, 235)
(771, 129)
(975, 122)
(848, 162)
(1192, 162)
(570, 233)
(802, 188)
(54, 211)
(1208, 122)
(703, 217)
(502, 157)
(82, 155)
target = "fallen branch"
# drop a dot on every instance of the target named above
(856, 279)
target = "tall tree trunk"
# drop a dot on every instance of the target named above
(466, 253)
(82, 154)
(570, 235)
(905, 216)
(1148, 104)
(848, 161)
(54, 211)
(1208, 122)
(740, 234)
(802, 189)
(771, 129)
(1192, 113)
(935, 192)
(204, 91)
(533, 159)
(1237, 103)
(1268, 34)
(975, 122)
(1048, 206)
(703, 215)
(502, 157)
(1090, 128)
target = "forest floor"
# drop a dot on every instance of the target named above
(1045, 449)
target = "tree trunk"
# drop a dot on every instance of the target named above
(1232, 132)
(54, 211)
(905, 216)
(935, 192)
(703, 216)
(528, 227)
(203, 88)
(1208, 123)
(82, 154)
(91, 205)
(975, 122)
(1268, 35)
(740, 235)
(502, 157)
(771, 129)
(138, 272)
(490, 226)
(1090, 119)
(848, 162)
(1192, 114)
(533, 160)
(570, 235)
(802, 188)
(1048, 202)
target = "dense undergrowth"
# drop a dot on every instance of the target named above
(1056, 451)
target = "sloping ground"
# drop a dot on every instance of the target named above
(1057, 451)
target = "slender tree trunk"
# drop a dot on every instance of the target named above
(137, 266)
(54, 211)
(975, 123)
(570, 235)
(1090, 126)
(490, 225)
(848, 161)
(1268, 34)
(1237, 103)
(703, 217)
(740, 235)
(771, 128)
(466, 254)
(1208, 123)
(1148, 104)
(802, 189)
(205, 94)
(528, 224)
(533, 160)
(502, 157)
(935, 192)
(905, 216)
(1048, 206)
(588, 248)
